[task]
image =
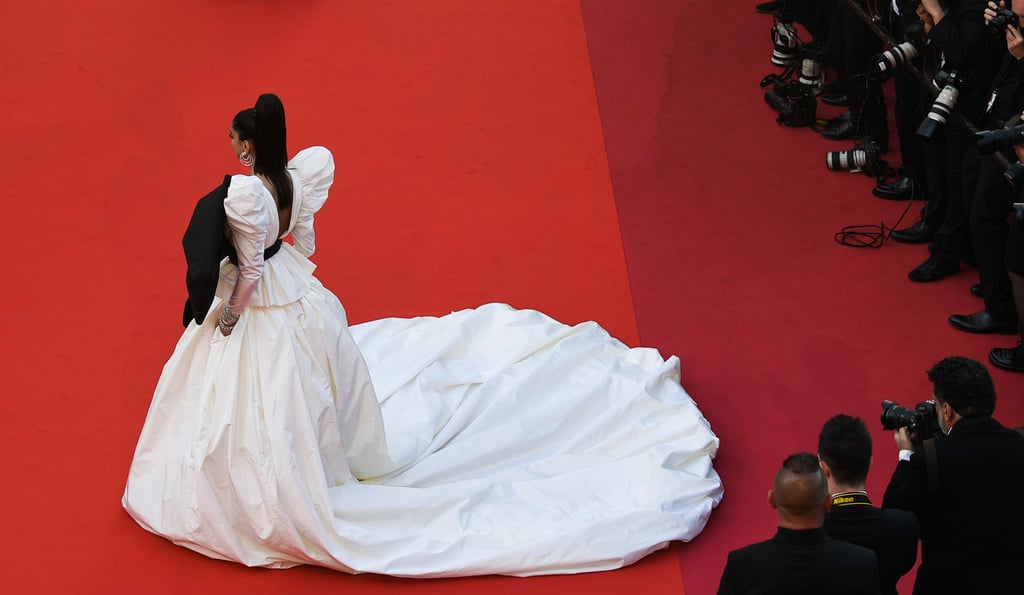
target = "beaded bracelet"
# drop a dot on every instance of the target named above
(227, 320)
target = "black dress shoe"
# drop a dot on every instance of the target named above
(900, 189)
(836, 121)
(768, 7)
(976, 290)
(1011, 359)
(983, 323)
(933, 270)
(917, 233)
(844, 130)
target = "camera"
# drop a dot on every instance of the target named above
(1014, 176)
(920, 421)
(784, 43)
(863, 157)
(989, 141)
(811, 75)
(795, 102)
(943, 105)
(895, 57)
(1004, 17)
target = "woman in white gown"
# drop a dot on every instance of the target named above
(488, 441)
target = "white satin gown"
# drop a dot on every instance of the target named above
(487, 441)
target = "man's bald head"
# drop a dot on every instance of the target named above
(800, 491)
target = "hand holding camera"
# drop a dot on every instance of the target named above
(1000, 18)
(914, 425)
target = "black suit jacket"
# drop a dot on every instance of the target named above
(971, 49)
(891, 534)
(972, 526)
(205, 246)
(800, 563)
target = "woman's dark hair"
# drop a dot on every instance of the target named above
(264, 127)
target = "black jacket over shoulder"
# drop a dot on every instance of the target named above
(205, 246)
(800, 563)
(891, 534)
(972, 526)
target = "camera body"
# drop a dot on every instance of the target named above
(1014, 176)
(920, 421)
(1004, 17)
(795, 102)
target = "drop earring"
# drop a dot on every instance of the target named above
(246, 158)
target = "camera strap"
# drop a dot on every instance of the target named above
(931, 467)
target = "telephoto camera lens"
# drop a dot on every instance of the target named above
(811, 75)
(895, 56)
(942, 107)
(852, 160)
(991, 140)
(784, 42)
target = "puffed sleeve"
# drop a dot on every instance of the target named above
(248, 221)
(315, 171)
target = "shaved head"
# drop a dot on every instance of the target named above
(800, 488)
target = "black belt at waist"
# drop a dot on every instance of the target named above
(270, 251)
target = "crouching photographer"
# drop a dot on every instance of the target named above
(964, 485)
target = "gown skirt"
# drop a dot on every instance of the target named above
(488, 441)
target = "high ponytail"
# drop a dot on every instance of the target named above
(265, 126)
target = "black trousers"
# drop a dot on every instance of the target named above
(851, 48)
(952, 237)
(908, 109)
(932, 175)
(989, 209)
(1015, 248)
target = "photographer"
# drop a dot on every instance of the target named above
(992, 197)
(971, 56)
(844, 452)
(849, 49)
(964, 485)
(1012, 358)
(908, 106)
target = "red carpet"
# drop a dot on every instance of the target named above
(471, 143)
(727, 223)
(471, 169)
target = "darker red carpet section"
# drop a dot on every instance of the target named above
(727, 224)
